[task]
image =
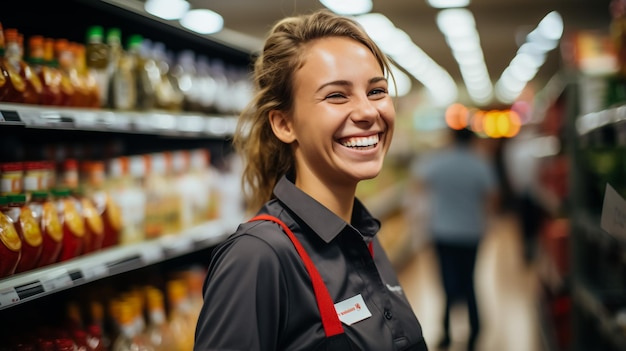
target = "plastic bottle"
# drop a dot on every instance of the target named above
(181, 319)
(28, 230)
(72, 224)
(129, 338)
(10, 242)
(97, 61)
(14, 54)
(51, 89)
(45, 212)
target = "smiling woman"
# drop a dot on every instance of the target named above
(319, 280)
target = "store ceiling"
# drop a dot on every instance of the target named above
(499, 24)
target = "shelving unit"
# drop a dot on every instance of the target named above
(598, 285)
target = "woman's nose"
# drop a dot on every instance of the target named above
(364, 110)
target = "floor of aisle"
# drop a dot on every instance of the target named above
(507, 291)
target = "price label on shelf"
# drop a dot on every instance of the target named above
(56, 280)
(8, 297)
(94, 271)
(151, 254)
(613, 218)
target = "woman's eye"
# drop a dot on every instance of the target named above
(335, 96)
(378, 91)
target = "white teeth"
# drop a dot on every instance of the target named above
(361, 141)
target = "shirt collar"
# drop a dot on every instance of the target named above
(319, 218)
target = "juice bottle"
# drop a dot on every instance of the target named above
(57, 78)
(51, 90)
(158, 330)
(123, 93)
(85, 78)
(10, 242)
(111, 216)
(129, 338)
(180, 316)
(64, 59)
(12, 85)
(94, 225)
(97, 61)
(45, 212)
(72, 223)
(28, 230)
(14, 54)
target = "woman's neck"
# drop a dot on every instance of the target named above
(338, 198)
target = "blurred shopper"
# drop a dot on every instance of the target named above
(308, 272)
(462, 186)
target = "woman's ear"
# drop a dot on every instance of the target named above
(282, 126)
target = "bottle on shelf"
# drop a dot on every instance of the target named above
(146, 72)
(50, 79)
(11, 178)
(52, 51)
(10, 242)
(28, 230)
(159, 333)
(84, 77)
(11, 84)
(109, 211)
(130, 338)
(123, 87)
(72, 223)
(181, 318)
(45, 212)
(168, 95)
(14, 54)
(64, 59)
(97, 61)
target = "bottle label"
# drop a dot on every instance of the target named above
(92, 217)
(8, 234)
(50, 222)
(30, 227)
(73, 219)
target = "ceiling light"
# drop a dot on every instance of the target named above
(202, 21)
(348, 7)
(167, 9)
(444, 4)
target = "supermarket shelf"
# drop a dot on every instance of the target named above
(590, 228)
(34, 284)
(592, 121)
(595, 306)
(102, 120)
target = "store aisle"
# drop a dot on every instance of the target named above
(507, 292)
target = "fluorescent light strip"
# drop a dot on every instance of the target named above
(459, 28)
(348, 7)
(530, 57)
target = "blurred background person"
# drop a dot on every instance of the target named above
(462, 186)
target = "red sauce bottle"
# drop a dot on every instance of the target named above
(47, 217)
(28, 230)
(10, 242)
(72, 224)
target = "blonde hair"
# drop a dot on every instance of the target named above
(266, 158)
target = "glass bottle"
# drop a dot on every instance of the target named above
(28, 229)
(109, 211)
(180, 316)
(15, 57)
(85, 79)
(10, 242)
(72, 224)
(51, 91)
(47, 217)
(55, 51)
(12, 85)
(123, 92)
(129, 339)
(158, 330)
(97, 61)
(146, 72)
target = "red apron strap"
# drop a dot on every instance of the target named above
(330, 321)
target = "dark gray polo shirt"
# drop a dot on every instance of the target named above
(258, 294)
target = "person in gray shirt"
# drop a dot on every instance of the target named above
(307, 272)
(462, 188)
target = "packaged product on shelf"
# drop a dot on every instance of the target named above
(122, 88)
(146, 72)
(202, 176)
(10, 242)
(72, 223)
(39, 55)
(186, 186)
(45, 213)
(94, 174)
(161, 336)
(12, 87)
(11, 178)
(131, 195)
(28, 230)
(168, 94)
(181, 318)
(97, 61)
(63, 58)
(14, 54)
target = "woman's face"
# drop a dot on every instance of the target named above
(343, 116)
